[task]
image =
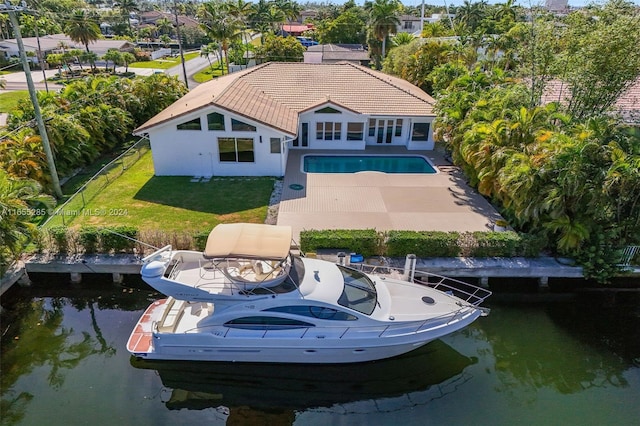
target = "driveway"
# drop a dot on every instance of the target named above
(373, 200)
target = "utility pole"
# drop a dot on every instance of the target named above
(40, 57)
(184, 69)
(11, 10)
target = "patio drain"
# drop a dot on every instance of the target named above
(296, 186)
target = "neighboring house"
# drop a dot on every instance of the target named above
(332, 53)
(244, 124)
(151, 17)
(295, 29)
(51, 44)
(409, 24)
(556, 5)
(437, 17)
(627, 105)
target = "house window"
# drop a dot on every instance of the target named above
(276, 146)
(399, 127)
(420, 132)
(327, 110)
(328, 131)
(372, 127)
(240, 126)
(305, 134)
(408, 25)
(190, 125)
(355, 131)
(236, 150)
(215, 121)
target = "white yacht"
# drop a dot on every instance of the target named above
(247, 298)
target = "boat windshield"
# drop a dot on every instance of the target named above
(359, 292)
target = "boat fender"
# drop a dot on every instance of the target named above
(153, 269)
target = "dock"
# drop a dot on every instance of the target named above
(482, 269)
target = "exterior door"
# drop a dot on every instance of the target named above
(384, 131)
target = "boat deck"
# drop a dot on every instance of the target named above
(141, 337)
(214, 281)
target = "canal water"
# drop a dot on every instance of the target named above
(562, 362)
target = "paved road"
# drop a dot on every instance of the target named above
(18, 81)
(192, 67)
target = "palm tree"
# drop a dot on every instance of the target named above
(164, 26)
(220, 25)
(17, 198)
(289, 9)
(128, 58)
(470, 15)
(82, 29)
(384, 20)
(240, 9)
(207, 50)
(21, 155)
(114, 56)
(265, 18)
(126, 7)
(402, 39)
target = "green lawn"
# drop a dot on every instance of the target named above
(164, 63)
(168, 203)
(209, 73)
(9, 100)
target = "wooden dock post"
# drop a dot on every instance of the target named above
(543, 284)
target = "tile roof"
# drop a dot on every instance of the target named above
(276, 92)
(627, 105)
(334, 52)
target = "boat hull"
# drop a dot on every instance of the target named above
(347, 345)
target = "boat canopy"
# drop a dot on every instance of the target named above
(249, 240)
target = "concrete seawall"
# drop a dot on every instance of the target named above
(483, 269)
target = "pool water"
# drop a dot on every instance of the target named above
(363, 163)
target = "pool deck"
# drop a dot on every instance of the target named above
(374, 200)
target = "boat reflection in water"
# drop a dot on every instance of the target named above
(286, 388)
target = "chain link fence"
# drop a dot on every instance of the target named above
(75, 206)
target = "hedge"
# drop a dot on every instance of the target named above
(363, 241)
(367, 242)
(422, 243)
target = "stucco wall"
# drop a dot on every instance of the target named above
(195, 152)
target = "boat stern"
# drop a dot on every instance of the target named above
(140, 343)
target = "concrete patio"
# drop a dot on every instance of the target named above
(374, 200)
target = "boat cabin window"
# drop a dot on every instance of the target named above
(359, 292)
(319, 312)
(266, 323)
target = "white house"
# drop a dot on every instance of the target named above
(245, 123)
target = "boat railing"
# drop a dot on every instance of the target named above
(157, 255)
(175, 269)
(470, 293)
(462, 290)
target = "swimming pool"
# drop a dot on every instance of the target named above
(361, 163)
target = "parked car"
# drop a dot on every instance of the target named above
(306, 41)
